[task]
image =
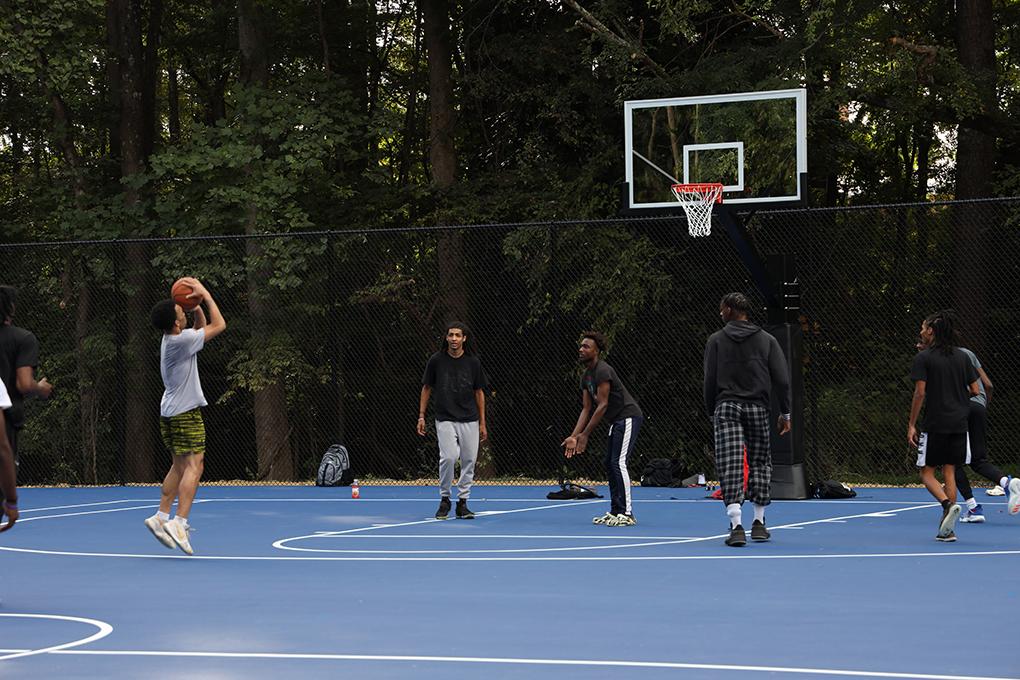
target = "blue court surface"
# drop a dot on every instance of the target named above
(302, 582)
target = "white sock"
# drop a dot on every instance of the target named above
(971, 503)
(183, 521)
(1003, 483)
(165, 516)
(733, 511)
(759, 513)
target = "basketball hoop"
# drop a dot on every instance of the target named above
(697, 201)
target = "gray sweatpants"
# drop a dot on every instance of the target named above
(457, 440)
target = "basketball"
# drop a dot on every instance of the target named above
(180, 292)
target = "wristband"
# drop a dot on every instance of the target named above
(10, 506)
(421, 417)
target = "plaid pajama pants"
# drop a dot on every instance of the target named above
(736, 424)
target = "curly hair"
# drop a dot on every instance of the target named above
(597, 338)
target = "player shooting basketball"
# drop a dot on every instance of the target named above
(180, 412)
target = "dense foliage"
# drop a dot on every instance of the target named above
(166, 118)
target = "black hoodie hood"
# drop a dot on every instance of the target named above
(740, 330)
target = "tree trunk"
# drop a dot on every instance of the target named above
(140, 381)
(150, 76)
(113, 9)
(975, 154)
(272, 425)
(442, 153)
(173, 102)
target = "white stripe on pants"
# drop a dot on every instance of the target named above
(457, 441)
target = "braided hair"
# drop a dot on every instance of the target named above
(943, 326)
(7, 297)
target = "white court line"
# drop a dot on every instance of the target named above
(81, 505)
(447, 537)
(280, 544)
(104, 630)
(587, 558)
(433, 520)
(91, 512)
(537, 662)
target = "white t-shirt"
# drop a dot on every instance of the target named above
(178, 364)
(5, 399)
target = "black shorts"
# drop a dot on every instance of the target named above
(942, 448)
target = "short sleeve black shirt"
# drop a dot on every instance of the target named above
(18, 348)
(621, 404)
(453, 382)
(947, 396)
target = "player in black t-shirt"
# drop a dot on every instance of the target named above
(944, 381)
(454, 375)
(19, 357)
(601, 387)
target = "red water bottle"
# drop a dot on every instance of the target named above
(355, 489)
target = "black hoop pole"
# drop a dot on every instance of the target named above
(749, 254)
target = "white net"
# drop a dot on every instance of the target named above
(697, 201)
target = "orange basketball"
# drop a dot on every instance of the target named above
(180, 292)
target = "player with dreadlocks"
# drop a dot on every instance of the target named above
(977, 446)
(944, 381)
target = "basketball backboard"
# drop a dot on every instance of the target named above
(754, 143)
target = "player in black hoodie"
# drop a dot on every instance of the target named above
(742, 363)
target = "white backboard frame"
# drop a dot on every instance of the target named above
(797, 95)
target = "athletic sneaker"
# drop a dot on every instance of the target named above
(155, 525)
(737, 537)
(974, 516)
(996, 490)
(759, 532)
(948, 522)
(444, 508)
(621, 520)
(462, 510)
(1014, 495)
(176, 530)
(948, 538)
(603, 519)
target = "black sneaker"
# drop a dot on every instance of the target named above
(947, 538)
(737, 537)
(444, 508)
(759, 532)
(463, 512)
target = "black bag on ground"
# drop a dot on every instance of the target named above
(335, 468)
(660, 472)
(830, 488)
(570, 491)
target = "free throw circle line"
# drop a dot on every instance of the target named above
(104, 630)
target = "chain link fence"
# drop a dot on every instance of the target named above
(328, 335)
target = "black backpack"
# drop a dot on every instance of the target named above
(660, 472)
(570, 491)
(830, 488)
(335, 468)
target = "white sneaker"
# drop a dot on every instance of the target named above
(604, 519)
(948, 523)
(1014, 496)
(179, 533)
(155, 525)
(995, 491)
(621, 520)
